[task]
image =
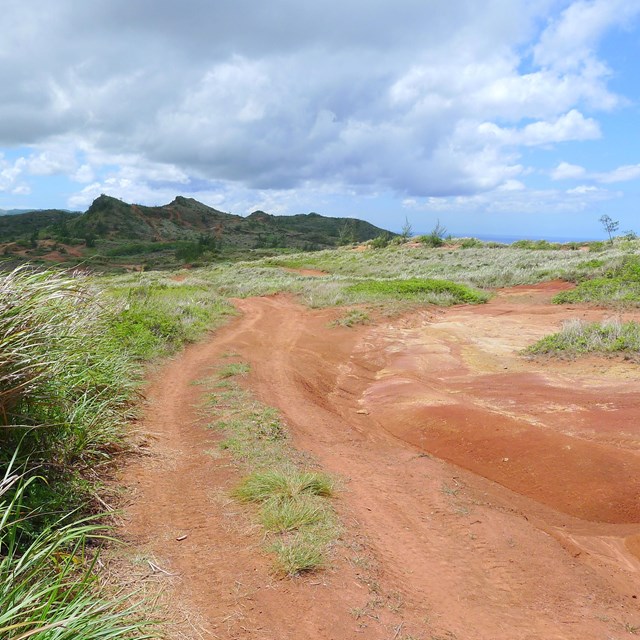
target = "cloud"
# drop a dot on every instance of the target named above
(567, 171)
(508, 201)
(422, 99)
(620, 174)
(569, 42)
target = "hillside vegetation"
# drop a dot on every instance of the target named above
(112, 233)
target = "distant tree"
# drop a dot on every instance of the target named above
(610, 226)
(407, 230)
(436, 237)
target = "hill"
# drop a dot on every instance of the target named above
(112, 231)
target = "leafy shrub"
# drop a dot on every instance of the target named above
(470, 243)
(431, 240)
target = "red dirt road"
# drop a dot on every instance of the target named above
(485, 496)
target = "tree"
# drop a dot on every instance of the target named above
(610, 226)
(407, 230)
(436, 237)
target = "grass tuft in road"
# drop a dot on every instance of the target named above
(294, 500)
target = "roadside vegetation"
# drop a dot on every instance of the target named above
(577, 337)
(618, 284)
(70, 368)
(292, 498)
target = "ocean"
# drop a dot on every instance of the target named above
(508, 239)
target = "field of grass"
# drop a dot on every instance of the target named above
(292, 498)
(480, 266)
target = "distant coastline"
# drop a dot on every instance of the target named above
(509, 239)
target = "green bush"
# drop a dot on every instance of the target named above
(431, 240)
(381, 241)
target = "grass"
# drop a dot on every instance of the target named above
(233, 369)
(577, 337)
(71, 353)
(154, 315)
(478, 266)
(293, 499)
(619, 285)
(352, 318)
(441, 292)
(284, 484)
(49, 587)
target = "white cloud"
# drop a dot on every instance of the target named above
(567, 171)
(52, 160)
(423, 99)
(620, 174)
(569, 41)
(84, 174)
(529, 201)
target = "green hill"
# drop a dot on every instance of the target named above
(23, 226)
(184, 230)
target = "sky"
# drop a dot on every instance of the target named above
(511, 117)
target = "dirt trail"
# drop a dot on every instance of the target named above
(486, 496)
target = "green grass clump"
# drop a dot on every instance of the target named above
(294, 514)
(299, 554)
(619, 285)
(154, 315)
(295, 511)
(429, 290)
(283, 484)
(578, 337)
(234, 369)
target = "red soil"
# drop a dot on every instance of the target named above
(486, 496)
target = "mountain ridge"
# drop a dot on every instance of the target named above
(185, 226)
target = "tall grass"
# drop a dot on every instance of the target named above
(71, 353)
(65, 386)
(48, 585)
(616, 283)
